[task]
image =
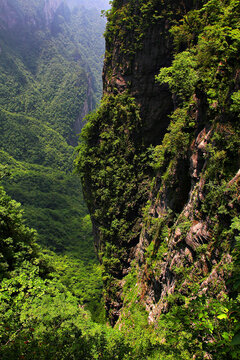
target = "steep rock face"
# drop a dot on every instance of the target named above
(87, 108)
(159, 162)
(17, 15)
(132, 61)
(50, 7)
(137, 75)
(192, 252)
(137, 45)
(8, 15)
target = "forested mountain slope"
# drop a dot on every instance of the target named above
(51, 60)
(50, 78)
(43, 311)
(159, 162)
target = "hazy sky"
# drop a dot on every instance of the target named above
(99, 4)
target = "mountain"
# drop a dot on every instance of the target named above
(43, 36)
(159, 162)
(50, 78)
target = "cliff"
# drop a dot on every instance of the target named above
(8, 15)
(17, 14)
(159, 162)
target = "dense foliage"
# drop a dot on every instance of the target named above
(110, 156)
(49, 72)
(43, 298)
(17, 241)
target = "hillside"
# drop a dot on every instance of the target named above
(50, 78)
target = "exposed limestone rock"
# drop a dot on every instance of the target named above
(8, 15)
(50, 7)
(12, 16)
(138, 76)
(86, 109)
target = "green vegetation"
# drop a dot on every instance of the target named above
(53, 201)
(50, 75)
(204, 76)
(50, 303)
(42, 315)
(43, 298)
(111, 153)
(129, 22)
(110, 156)
(17, 241)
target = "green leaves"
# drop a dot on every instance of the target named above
(17, 240)
(222, 316)
(236, 339)
(181, 76)
(108, 142)
(235, 107)
(175, 142)
(41, 319)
